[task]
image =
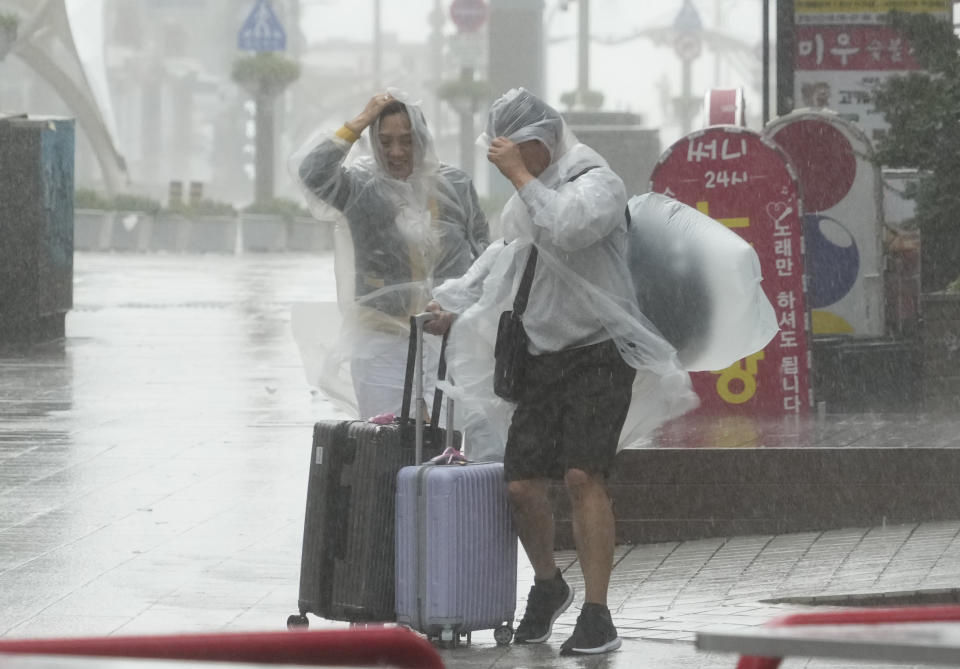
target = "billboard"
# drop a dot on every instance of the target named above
(844, 49)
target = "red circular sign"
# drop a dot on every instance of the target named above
(468, 15)
(824, 159)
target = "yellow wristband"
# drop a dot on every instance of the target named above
(346, 133)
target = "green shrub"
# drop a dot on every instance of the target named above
(9, 22)
(203, 208)
(921, 110)
(265, 73)
(461, 91)
(87, 198)
(130, 202)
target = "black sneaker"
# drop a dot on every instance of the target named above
(546, 601)
(593, 634)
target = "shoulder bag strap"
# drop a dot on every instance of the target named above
(523, 291)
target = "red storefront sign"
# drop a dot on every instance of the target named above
(856, 47)
(724, 106)
(745, 181)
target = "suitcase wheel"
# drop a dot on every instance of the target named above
(447, 638)
(503, 635)
(295, 621)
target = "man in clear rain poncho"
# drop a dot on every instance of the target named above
(412, 222)
(600, 375)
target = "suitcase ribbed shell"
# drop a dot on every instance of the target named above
(456, 549)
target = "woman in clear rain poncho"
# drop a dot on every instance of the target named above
(411, 223)
(582, 283)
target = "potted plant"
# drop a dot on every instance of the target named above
(264, 76)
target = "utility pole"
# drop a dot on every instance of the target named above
(786, 46)
(688, 35)
(467, 135)
(468, 16)
(436, 63)
(377, 48)
(583, 54)
(766, 61)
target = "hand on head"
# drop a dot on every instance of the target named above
(370, 113)
(519, 162)
(509, 158)
(506, 156)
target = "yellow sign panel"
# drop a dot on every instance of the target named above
(870, 6)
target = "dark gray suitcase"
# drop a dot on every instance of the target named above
(347, 561)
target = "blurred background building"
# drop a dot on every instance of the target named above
(158, 72)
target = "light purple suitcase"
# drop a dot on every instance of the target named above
(456, 551)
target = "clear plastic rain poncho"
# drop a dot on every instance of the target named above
(582, 291)
(699, 282)
(395, 240)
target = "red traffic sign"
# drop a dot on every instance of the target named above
(468, 15)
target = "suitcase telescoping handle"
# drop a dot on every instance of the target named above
(415, 370)
(418, 322)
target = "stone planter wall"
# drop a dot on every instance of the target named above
(138, 232)
(678, 494)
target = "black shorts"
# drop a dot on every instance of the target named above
(569, 414)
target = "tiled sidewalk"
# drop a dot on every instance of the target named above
(153, 466)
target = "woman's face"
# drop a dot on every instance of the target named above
(396, 139)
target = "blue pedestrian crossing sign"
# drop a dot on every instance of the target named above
(262, 30)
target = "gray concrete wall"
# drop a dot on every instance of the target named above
(631, 149)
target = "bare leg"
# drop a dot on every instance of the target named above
(593, 531)
(533, 516)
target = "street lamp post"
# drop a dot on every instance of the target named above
(688, 38)
(583, 53)
(786, 43)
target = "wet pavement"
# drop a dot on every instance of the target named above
(153, 472)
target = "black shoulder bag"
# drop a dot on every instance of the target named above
(510, 352)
